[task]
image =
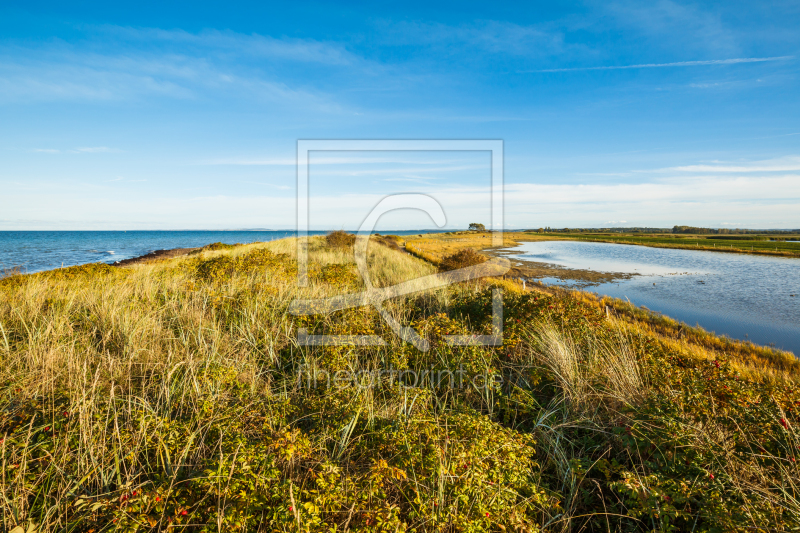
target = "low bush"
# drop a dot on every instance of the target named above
(461, 259)
(219, 246)
(225, 266)
(340, 239)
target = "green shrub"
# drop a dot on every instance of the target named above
(225, 266)
(335, 275)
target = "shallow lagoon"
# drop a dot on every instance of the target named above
(743, 296)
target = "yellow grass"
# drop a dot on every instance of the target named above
(152, 398)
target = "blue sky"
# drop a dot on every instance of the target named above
(147, 116)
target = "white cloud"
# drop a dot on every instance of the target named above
(235, 161)
(333, 160)
(96, 149)
(485, 38)
(414, 179)
(404, 171)
(690, 189)
(767, 201)
(289, 49)
(169, 64)
(492, 36)
(672, 24)
(85, 150)
(783, 164)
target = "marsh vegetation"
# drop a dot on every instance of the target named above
(172, 395)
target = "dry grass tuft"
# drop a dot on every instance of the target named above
(340, 239)
(600, 367)
(461, 259)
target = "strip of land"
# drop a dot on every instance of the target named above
(155, 256)
(743, 244)
(434, 247)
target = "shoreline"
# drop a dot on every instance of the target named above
(534, 271)
(154, 256)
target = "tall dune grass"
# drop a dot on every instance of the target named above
(174, 396)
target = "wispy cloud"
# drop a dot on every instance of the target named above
(96, 150)
(290, 49)
(706, 191)
(84, 150)
(327, 160)
(783, 164)
(492, 36)
(119, 64)
(414, 179)
(732, 61)
(669, 24)
(403, 171)
(249, 162)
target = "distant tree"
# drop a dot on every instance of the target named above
(477, 227)
(692, 230)
(541, 230)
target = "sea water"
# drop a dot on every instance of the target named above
(34, 251)
(744, 296)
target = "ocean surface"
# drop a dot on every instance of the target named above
(34, 251)
(743, 296)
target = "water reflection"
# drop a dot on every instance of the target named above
(743, 296)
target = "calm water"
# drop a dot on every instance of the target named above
(33, 251)
(742, 296)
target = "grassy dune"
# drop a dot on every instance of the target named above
(436, 246)
(174, 396)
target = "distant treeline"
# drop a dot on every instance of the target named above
(548, 229)
(692, 230)
(726, 231)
